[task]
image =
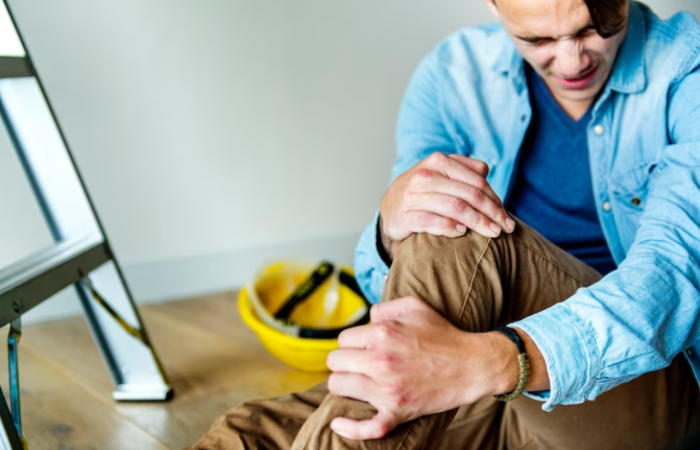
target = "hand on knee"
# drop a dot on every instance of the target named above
(408, 363)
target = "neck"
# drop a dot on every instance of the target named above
(574, 109)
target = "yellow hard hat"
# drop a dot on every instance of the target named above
(297, 309)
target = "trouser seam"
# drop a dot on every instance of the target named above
(471, 282)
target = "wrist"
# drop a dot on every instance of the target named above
(491, 367)
(505, 371)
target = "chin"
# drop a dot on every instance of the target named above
(581, 95)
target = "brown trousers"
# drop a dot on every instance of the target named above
(479, 283)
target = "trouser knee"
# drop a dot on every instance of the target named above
(444, 272)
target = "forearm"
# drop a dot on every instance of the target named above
(386, 246)
(371, 268)
(539, 378)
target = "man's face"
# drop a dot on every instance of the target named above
(557, 38)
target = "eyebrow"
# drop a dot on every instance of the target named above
(533, 39)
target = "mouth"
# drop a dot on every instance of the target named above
(581, 82)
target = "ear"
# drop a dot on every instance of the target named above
(491, 5)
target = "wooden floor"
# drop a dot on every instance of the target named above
(213, 361)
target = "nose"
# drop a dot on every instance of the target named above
(572, 60)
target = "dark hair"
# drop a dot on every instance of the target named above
(607, 16)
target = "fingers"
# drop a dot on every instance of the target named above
(452, 207)
(472, 172)
(353, 385)
(429, 222)
(453, 175)
(477, 198)
(375, 428)
(477, 166)
(350, 360)
(357, 337)
(394, 309)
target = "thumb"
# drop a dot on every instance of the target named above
(375, 428)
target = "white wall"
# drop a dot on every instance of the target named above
(214, 134)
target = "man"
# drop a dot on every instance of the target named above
(587, 113)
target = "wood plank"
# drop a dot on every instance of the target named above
(213, 361)
(57, 414)
(217, 313)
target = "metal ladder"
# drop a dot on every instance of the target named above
(81, 255)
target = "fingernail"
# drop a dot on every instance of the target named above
(510, 223)
(496, 229)
(461, 228)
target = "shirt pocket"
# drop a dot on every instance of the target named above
(630, 191)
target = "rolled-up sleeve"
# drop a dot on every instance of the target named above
(639, 317)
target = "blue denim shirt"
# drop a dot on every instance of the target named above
(470, 96)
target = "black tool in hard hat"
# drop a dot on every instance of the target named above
(305, 289)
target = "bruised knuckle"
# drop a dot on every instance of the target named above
(480, 183)
(404, 400)
(475, 195)
(385, 363)
(384, 332)
(458, 206)
(422, 176)
(395, 390)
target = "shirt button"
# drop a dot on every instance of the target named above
(523, 118)
(599, 130)
(607, 206)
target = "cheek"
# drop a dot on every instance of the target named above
(601, 49)
(538, 57)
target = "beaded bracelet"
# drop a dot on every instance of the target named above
(522, 362)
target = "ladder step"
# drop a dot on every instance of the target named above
(34, 279)
(14, 67)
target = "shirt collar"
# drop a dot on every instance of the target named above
(629, 72)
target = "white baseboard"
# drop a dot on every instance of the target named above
(164, 280)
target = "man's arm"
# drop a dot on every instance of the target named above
(419, 133)
(421, 364)
(639, 317)
(434, 189)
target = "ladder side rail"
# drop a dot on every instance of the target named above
(70, 212)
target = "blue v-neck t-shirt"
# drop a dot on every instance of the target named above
(553, 190)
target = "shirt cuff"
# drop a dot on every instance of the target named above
(569, 348)
(370, 269)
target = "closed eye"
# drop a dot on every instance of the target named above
(586, 31)
(537, 41)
